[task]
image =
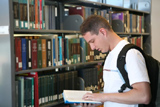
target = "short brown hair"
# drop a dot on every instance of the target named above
(93, 23)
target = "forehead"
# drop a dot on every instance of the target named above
(88, 36)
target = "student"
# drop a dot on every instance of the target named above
(100, 36)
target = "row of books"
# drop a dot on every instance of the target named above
(52, 50)
(121, 21)
(33, 90)
(51, 86)
(135, 40)
(93, 77)
(36, 89)
(34, 14)
(90, 77)
(29, 14)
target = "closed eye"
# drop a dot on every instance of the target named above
(91, 41)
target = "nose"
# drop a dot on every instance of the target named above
(92, 46)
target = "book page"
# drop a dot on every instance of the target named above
(76, 96)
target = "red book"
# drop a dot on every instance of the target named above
(34, 53)
(138, 41)
(18, 54)
(77, 10)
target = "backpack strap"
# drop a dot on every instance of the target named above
(121, 61)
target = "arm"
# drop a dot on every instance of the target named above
(140, 94)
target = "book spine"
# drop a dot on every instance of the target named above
(18, 54)
(39, 53)
(43, 14)
(16, 13)
(29, 54)
(57, 50)
(36, 14)
(44, 53)
(40, 13)
(32, 14)
(25, 17)
(60, 50)
(24, 54)
(34, 53)
(53, 53)
(21, 14)
(49, 52)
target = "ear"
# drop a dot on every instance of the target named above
(103, 31)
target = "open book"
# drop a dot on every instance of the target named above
(75, 96)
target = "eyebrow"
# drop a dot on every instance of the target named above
(90, 40)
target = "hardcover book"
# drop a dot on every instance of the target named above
(75, 96)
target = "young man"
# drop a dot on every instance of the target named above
(98, 33)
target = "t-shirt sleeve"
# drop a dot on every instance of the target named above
(136, 67)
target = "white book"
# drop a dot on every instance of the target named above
(75, 96)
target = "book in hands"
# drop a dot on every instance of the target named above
(75, 96)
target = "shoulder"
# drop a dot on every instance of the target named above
(134, 53)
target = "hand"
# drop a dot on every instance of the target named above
(94, 97)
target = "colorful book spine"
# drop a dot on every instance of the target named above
(40, 14)
(36, 14)
(24, 54)
(60, 49)
(44, 53)
(34, 53)
(43, 14)
(18, 54)
(39, 53)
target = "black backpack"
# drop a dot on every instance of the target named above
(152, 67)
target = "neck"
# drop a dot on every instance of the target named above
(114, 39)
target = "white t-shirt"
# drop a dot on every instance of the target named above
(135, 66)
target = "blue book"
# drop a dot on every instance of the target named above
(24, 54)
(83, 50)
(75, 96)
(60, 49)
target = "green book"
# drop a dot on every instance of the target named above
(21, 91)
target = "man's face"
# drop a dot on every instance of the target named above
(97, 42)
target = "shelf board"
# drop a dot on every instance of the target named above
(43, 31)
(122, 33)
(53, 104)
(56, 67)
(99, 5)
